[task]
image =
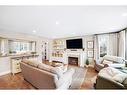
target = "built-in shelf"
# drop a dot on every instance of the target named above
(58, 50)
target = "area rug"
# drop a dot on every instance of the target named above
(78, 77)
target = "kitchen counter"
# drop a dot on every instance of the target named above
(23, 56)
(20, 56)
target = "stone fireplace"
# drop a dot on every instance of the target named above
(73, 60)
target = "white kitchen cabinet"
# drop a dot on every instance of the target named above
(15, 62)
(15, 65)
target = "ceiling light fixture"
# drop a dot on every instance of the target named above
(57, 23)
(124, 14)
(34, 31)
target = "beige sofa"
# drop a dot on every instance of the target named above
(109, 61)
(111, 78)
(43, 76)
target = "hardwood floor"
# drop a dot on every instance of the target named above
(90, 79)
(10, 81)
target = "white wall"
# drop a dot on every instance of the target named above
(85, 40)
(4, 65)
(4, 61)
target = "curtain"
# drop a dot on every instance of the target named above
(112, 48)
(96, 47)
(121, 51)
(126, 44)
(0, 46)
(109, 42)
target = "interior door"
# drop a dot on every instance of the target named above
(44, 51)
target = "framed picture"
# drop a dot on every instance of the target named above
(90, 44)
(90, 53)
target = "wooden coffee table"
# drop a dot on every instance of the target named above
(64, 67)
(56, 64)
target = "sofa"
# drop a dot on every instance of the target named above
(111, 78)
(109, 61)
(43, 76)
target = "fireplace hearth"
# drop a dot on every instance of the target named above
(73, 61)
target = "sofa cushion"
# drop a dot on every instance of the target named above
(109, 72)
(45, 67)
(56, 70)
(31, 62)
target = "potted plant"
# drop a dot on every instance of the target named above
(87, 62)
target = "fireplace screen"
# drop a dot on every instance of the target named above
(73, 60)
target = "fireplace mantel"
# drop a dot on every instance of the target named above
(81, 55)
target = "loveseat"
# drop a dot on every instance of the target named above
(43, 76)
(109, 61)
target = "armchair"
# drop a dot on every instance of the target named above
(111, 78)
(109, 61)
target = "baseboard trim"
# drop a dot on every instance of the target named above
(4, 73)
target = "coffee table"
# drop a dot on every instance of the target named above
(64, 67)
(56, 64)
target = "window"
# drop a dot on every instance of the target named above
(108, 44)
(126, 44)
(21, 46)
(3, 46)
(103, 43)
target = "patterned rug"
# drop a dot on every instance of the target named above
(78, 77)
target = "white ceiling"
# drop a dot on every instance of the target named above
(62, 21)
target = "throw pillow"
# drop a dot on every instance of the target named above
(45, 67)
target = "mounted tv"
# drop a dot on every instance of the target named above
(74, 44)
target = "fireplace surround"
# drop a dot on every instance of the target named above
(79, 58)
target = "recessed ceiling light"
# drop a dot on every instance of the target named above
(73, 33)
(124, 14)
(34, 31)
(57, 23)
(112, 28)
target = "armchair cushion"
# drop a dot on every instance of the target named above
(115, 65)
(120, 77)
(125, 83)
(106, 62)
(114, 59)
(113, 74)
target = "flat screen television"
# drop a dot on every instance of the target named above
(74, 44)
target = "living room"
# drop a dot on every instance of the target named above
(63, 47)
